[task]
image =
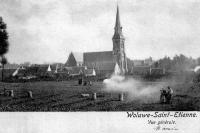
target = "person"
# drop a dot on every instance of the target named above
(80, 80)
(169, 94)
(163, 95)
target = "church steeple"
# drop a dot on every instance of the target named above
(117, 22)
(118, 45)
(118, 27)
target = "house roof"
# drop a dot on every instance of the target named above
(74, 59)
(105, 56)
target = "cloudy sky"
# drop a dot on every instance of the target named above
(44, 31)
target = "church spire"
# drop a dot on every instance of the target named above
(118, 27)
(117, 22)
(118, 45)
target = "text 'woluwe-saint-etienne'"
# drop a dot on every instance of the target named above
(160, 114)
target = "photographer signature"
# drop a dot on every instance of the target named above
(157, 128)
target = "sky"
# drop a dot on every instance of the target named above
(46, 31)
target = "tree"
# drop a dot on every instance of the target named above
(177, 63)
(3, 62)
(3, 43)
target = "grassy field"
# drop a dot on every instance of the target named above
(66, 96)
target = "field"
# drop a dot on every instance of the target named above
(66, 96)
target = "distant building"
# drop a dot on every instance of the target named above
(144, 70)
(74, 59)
(103, 61)
(149, 61)
(73, 71)
(146, 62)
(138, 62)
(10, 66)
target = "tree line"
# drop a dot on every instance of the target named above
(177, 63)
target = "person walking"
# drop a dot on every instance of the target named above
(169, 94)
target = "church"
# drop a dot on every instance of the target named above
(103, 62)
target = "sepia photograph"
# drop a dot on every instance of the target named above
(97, 55)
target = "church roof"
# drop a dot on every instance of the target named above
(98, 56)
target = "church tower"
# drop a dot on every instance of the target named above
(118, 45)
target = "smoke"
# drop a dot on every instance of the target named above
(134, 89)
